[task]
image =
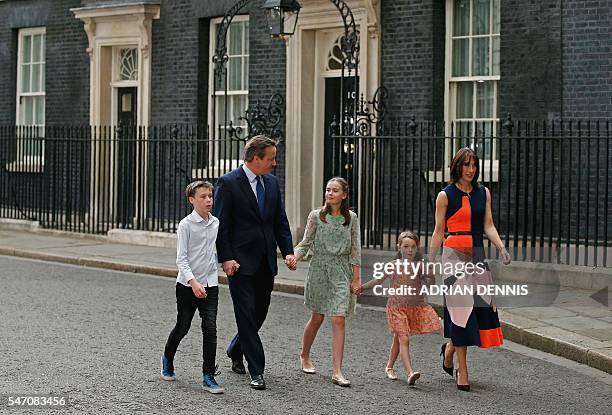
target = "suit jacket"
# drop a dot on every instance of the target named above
(244, 235)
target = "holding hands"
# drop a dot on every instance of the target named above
(429, 275)
(356, 287)
(291, 262)
(230, 267)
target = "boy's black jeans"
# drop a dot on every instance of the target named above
(186, 304)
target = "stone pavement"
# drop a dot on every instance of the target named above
(566, 322)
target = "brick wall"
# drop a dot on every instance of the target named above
(8, 72)
(67, 66)
(531, 78)
(174, 65)
(411, 51)
(587, 59)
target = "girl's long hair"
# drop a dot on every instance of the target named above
(418, 255)
(344, 206)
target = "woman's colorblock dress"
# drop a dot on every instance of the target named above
(475, 321)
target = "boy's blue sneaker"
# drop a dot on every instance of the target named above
(210, 384)
(167, 369)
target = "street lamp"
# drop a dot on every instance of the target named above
(282, 16)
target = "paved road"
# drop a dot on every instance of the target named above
(97, 336)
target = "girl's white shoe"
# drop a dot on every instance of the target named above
(413, 378)
(391, 373)
(341, 381)
(310, 370)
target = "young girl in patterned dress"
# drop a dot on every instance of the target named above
(332, 236)
(407, 314)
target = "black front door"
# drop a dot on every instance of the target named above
(126, 157)
(339, 155)
(331, 146)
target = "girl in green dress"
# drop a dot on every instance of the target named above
(332, 235)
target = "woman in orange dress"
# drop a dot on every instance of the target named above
(464, 209)
(407, 312)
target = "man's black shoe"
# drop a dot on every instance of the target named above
(238, 367)
(258, 382)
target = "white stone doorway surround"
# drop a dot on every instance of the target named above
(111, 28)
(319, 24)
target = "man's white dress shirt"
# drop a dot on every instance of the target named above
(252, 177)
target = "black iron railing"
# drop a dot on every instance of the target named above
(550, 183)
(93, 179)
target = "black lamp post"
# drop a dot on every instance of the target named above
(282, 16)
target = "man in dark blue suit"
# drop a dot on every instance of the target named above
(252, 222)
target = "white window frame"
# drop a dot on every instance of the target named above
(116, 83)
(327, 72)
(489, 166)
(28, 163)
(116, 71)
(213, 156)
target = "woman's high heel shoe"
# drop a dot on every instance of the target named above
(448, 370)
(465, 388)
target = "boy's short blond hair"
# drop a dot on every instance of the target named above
(192, 187)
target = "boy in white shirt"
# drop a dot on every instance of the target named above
(196, 283)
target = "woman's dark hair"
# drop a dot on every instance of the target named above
(344, 206)
(409, 235)
(464, 155)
